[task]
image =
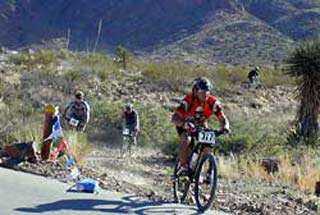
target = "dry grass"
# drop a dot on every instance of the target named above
(78, 144)
(228, 168)
(235, 168)
(302, 173)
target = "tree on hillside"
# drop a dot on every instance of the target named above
(304, 64)
(122, 56)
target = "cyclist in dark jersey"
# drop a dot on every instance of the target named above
(131, 121)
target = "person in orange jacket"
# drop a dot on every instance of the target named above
(199, 101)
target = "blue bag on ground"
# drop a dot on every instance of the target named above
(87, 185)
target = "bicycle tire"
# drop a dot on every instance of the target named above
(213, 182)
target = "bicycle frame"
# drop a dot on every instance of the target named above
(198, 148)
(202, 139)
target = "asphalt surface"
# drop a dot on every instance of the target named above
(22, 193)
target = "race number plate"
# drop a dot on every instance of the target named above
(74, 122)
(125, 131)
(207, 137)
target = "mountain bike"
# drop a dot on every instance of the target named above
(128, 141)
(202, 173)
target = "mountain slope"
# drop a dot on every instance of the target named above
(228, 31)
(126, 21)
(237, 38)
(296, 19)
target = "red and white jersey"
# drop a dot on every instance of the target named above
(210, 107)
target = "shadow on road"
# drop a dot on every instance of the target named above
(130, 204)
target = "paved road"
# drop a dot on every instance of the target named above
(27, 194)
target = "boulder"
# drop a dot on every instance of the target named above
(15, 153)
(317, 189)
(270, 165)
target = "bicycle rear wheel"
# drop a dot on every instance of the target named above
(131, 146)
(181, 185)
(124, 146)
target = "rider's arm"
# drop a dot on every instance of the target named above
(66, 110)
(225, 125)
(179, 116)
(123, 120)
(137, 122)
(177, 119)
(87, 116)
(218, 112)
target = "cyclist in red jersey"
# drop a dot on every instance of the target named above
(201, 106)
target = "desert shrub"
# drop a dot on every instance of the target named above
(18, 127)
(171, 147)
(236, 144)
(225, 77)
(156, 128)
(74, 75)
(174, 75)
(106, 113)
(39, 58)
(255, 134)
(98, 64)
(275, 77)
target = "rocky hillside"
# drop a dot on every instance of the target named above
(259, 119)
(208, 31)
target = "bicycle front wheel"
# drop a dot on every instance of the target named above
(206, 182)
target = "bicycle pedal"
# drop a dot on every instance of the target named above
(184, 178)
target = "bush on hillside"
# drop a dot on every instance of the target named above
(173, 75)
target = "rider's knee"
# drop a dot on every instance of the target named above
(185, 138)
(207, 151)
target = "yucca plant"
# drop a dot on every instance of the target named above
(304, 64)
(122, 55)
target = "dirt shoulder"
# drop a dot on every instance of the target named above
(150, 175)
